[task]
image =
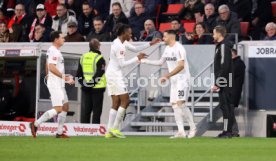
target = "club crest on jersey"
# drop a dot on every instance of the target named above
(122, 53)
(54, 58)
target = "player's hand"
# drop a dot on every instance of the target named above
(155, 41)
(215, 89)
(142, 56)
(164, 78)
(69, 80)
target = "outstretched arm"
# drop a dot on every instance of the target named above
(139, 48)
(154, 62)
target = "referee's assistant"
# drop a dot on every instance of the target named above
(91, 76)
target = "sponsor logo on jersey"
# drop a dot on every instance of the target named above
(171, 58)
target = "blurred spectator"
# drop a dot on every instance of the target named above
(150, 32)
(30, 5)
(151, 6)
(22, 20)
(62, 18)
(178, 27)
(16, 33)
(5, 36)
(210, 17)
(41, 17)
(51, 7)
(70, 9)
(137, 20)
(173, 1)
(125, 4)
(73, 35)
(7, 6)
(201, 35)
(74, 5)
(41, 33)
(85, 20)
(116, 17)
(242, 8)
(262, 14)
(270, 29)
(3, 18)
(99, 32)
(192, 7)
(101, 7)
(230, 21)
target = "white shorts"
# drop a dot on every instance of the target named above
(58, 96)
(180, 90)
(116, 86)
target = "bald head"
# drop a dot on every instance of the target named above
(209, 9)
(94, 44)
(149, 25)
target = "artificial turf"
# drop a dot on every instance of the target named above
(136, 149)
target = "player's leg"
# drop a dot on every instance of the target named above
(112, 114)
(45, 117)
(177, 112)
(62, 116)
(189, 117)
(124, 102)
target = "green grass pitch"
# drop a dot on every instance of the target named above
(136, 149)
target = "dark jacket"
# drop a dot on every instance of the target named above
(101, 36)
(223, 63)
(75, 37)
(210, 22)
(99, 73)
(180, 32)
(85, 24)
(238, 79)
(204, 39)
(111, 22)
(270, 38)
(150, 36)
(263, 12)
(242, 7)
(232, 25)
(45, 37)
(102, 6)
(137, 24)
(188, 13)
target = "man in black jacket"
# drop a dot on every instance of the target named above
(98, 32)
(223, 79)
(238, 79)
(116, 17)
(85, 19)
(93, 83)
(210, 17)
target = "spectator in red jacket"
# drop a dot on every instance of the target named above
(51, 7)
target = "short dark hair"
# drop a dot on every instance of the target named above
(171, 32)
(98, 18)
(87, 3)
(122, 29)
(176, 19)
(63, 5)
(55, 35)
(40, 24)
(117, 4)
(221, 30)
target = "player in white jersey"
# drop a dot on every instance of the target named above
(56, 85)
(179, 76)
(116, 85)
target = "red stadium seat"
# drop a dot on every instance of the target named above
(245, 29)
(189, 26)
(273, 4)
(164, 26)
(174, 9)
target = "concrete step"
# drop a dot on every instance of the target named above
(150, 133)
(169, 114)
(189, 104)
(161, 124)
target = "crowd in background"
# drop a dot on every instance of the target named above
(82, 20)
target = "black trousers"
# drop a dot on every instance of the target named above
(91, 102)
(227, 107)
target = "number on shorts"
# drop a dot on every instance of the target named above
(181, 93)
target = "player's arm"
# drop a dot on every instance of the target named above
(139, 48)
(123, 62)
(178, 69)
(154, 62)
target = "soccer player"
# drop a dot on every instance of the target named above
(55, 83)
(179, 76)
(116, 85)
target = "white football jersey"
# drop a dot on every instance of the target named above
(174, 54)
(54, 56)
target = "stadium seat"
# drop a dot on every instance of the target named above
(164, 26)
(244, 30)
(173, 9)
(189, 26)
(273, 4)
